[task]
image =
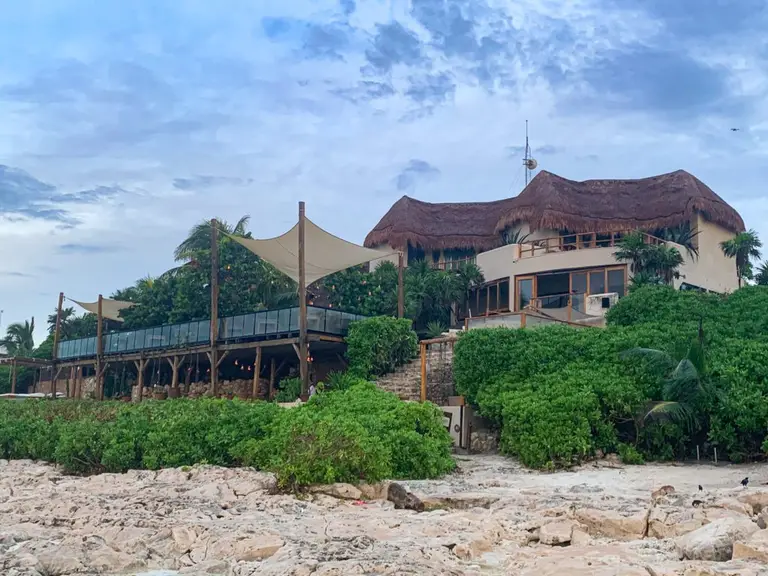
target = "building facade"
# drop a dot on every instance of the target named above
(552, 248)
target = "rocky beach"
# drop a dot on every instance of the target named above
(490, 517)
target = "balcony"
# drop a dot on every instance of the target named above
(566, 242)
(453, 264)
(255, 326)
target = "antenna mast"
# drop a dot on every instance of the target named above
(528, 162)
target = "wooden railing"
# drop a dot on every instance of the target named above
(581, 241)
(453, 264)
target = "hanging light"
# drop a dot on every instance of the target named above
(236, 362)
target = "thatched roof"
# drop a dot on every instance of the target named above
(436, 226)
(553, 202)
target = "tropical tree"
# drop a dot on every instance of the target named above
(686, 387)
(744, 247)
(762, 274)
(19, 338)
(649, 263)
(199, 237)
(683, 235)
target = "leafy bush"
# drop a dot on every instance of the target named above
(289, 390)
(630, 455)
(560, 393)
(361, 433)
(376, 346)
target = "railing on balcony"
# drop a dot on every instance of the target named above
(454, 263)
(582, 241)
(524, 319)
(254, 326)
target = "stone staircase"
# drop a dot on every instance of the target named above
(405, 381)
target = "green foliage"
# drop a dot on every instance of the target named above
(376, 346)
(744, 248)
(650, 263)
(430, 293)
(630, 455)
(338, 381)
(560, 393)
(289, 390)
(361, 433)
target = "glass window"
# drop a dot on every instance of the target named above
(597, 282)
(616, 281)
(524, 292)
(482, 304)
(504, 295)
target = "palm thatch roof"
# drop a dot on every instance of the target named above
(554, 202)
(438, 226)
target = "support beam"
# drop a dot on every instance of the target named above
(400, 286)
(256, 372)
(78, 385)
(214, 306)
(99, 350)
(175, 363)
(54, 381)
(272, 374)
(303, 352)
(57, 333)
(13, 377)
(71, 383)
(423, 372)
(140, 365)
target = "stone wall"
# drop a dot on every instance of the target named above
(405, 381)
(241, 387)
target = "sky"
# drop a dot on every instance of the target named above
(122, 124)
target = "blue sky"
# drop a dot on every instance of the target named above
(124, 123)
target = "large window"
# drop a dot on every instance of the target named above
(557, 289)
(490, 298)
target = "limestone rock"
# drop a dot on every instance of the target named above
(60, 562)
(757, 499)
(252, 549)
(611, 524)
(714, 542)
(557, 533)
(663, 491)
(472, 550)
(459, 501)
(755, 548)
(339, 490)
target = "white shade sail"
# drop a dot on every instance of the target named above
(109, 308)
(324, 253)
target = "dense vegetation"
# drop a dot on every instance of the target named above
(645, 385)
(378, 345)
(353, 435)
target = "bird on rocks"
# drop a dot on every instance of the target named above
(745, 482)
(700, 488)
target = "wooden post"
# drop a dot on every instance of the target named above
(303, 367)
(187, 378)
(400, 286)
(256, 372)
(56, 336)
(13, 376)
(174, 371)
(71, 383)
(76, 386)
(99, 350)
(272, 375)
(214, 307)
(423, 372)
(140, 364)
(55, 372)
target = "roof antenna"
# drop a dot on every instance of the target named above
(529, 163)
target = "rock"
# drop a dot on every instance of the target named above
(483, 442)
(459, 501)
(108, 561)
(376, 491)
(556, 533)
(667, 522)
(755, 548)
(183, 537)
(402, 499)
(472, 550)
(714, 542)
(732, 568)
(756, 499)
(60, 562)
(339, 490)
(580, 538)
(216, 567)
(734, 505)
(611, 524)
(762, 519)
(253, 549)
(663, 491)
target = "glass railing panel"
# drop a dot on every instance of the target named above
(203, 331)
(91, 350)
(294, 320)
(271, 327)
(333, 322)
(122, 341)
(174, 338)
(166, 339)
(315, 319)
(237, 326)
(249, 324)
(130, 343)
(148, 339)
(260, 320)
(283, 320)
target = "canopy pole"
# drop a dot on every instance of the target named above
(13, 376)
(214, 307)
(56, 336)
(303, 367)
(400, 287)
(99, 349)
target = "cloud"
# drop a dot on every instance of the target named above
(73, 247)
(13, 274)
(416, 170)
(393, 44)
(203, 182)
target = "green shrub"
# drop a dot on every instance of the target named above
(376, 346)
(630, 455)
(289, 390)
(361, 433)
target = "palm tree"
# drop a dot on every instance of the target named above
(683, 235)
(686, 387)
(67, 315)
(19, 338)
(762, 274)
(199, 237)
(744, 247)
(649, 263)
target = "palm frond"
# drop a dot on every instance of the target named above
(656, 359)
(677, 412)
